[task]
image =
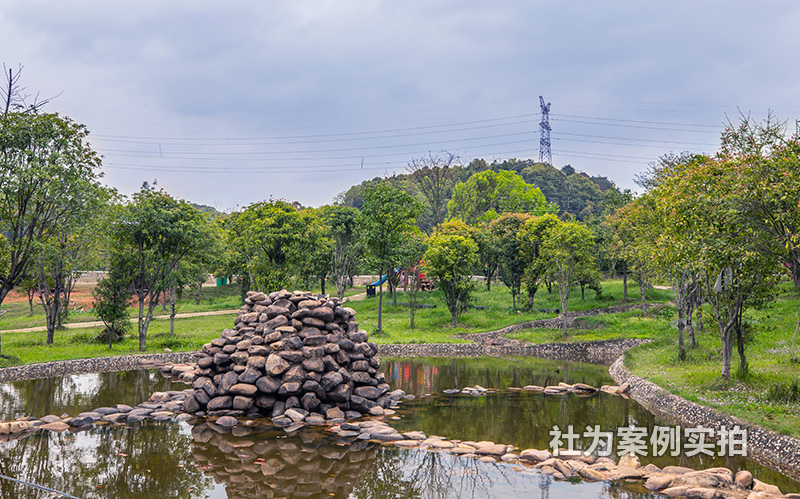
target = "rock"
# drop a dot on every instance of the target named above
(677, 470)
(629, 461)
(334, 413)
(244, 389)
(744, 479)
(759, 486)
(56, 426)
(221, 402)
(658, 482)
(227, 421)
(591, 475)
(535, 455)
(675, 491)
(704, 493)
(276, 365)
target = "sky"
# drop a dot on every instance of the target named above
(230, 104)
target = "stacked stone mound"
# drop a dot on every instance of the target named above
(292, 356)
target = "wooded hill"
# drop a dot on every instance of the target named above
(434, 177)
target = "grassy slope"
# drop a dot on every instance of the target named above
(433, 325)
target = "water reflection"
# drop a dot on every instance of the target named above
(270, 464)
(200, 460)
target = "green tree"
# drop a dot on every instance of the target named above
(160, 233)
(73, 245)
(449, 261)
(568, 251)
(699, 203)
(268, 239)
(511, 260)
(345, 249)
(411, 252)
(112, 295)
(387, 215)
(486, 195)
(45, 162)
(530, 238)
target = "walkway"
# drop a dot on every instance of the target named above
(79, 325)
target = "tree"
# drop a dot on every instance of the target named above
(111, 298)
(511, 259)
(486, 195)
(448, 261)
(530, 238)
(160, 233)
(433, 178)
(268, 239)
(568, 251)
(705, 226)
(411, 252)
(387, 215)
(73, 245)
(768, 187)
(637, 228)
(45, 162)
(342, 223)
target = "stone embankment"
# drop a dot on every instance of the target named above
(777, 451)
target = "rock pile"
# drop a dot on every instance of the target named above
(292, 356)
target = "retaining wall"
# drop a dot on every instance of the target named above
(770, 448)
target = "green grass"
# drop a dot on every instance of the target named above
(190, 335)
(630, 324)
(767, 395)
(434, 325)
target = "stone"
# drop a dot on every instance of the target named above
(629, 461)
(219, 403)
(268, 384)
(227, 421)
(242, 403)
(744, 479)
(759, 486)
(245, 389)
(276, 365)
(227, 381)
(675, 491)
(658, 482)
(56, 426)
(535, 455)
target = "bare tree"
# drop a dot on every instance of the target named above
(14, 97)
(433, 177)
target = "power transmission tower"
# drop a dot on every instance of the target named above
(545, 155)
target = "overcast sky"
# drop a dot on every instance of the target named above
(230, 103)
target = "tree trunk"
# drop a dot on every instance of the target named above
(643, 292)
(172, 312)
(197, 298)
(679, 298)
(583, 295)
(140, 325)
(740, 347)
(322, 284)
(31, 294)
(564, 295)
(380, 301)
(625, 282)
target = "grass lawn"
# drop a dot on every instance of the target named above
(768, 395)
(434, 325)
(190, 335)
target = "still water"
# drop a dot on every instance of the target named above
(196, 460)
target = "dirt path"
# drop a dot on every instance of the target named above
(358, 297)
(79, 325)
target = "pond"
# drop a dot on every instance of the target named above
(196, 460)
